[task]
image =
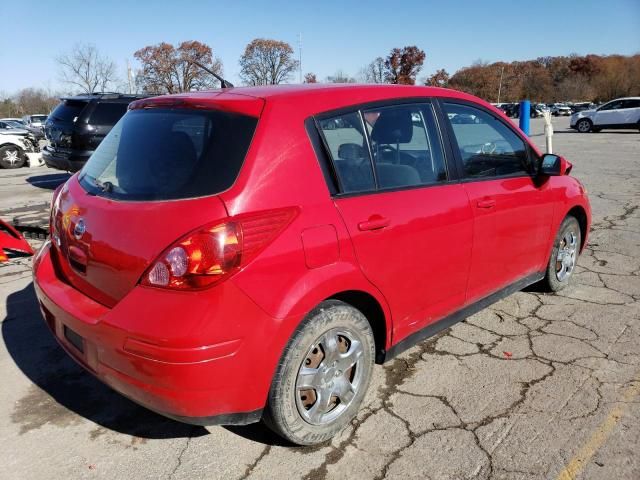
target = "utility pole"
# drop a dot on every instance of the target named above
(500, 85)
(300, 55)
(129, 77)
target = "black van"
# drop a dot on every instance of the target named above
(78, 124)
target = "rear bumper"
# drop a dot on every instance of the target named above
(184, 363)
(70, 162)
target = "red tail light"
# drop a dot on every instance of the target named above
(215, 251)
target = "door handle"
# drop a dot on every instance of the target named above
(375, 222)
(486, 203)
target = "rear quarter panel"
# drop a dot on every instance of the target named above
(282, 170)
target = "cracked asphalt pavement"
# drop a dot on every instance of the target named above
(537, 386)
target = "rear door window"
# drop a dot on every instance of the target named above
(631, 103)
(107, 113)
(405, 145)
(162, 154)
(401, 142)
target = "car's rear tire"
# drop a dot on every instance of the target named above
(584, 125)
(564, 255)
(323, 375)
(11, 157)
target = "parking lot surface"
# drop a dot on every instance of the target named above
(536, 386)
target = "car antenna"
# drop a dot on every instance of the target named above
(223, 83)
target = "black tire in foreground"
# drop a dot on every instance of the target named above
(564, 255)
(11, 157)
(323, 375)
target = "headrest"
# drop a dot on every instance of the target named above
(350, 151)
(393, 126)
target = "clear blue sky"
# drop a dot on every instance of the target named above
(336, 34)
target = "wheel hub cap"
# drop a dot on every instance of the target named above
(566, 256)
(329, 377)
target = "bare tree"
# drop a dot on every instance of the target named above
(374, 72)
(340, 77)
(84, 67)
(267, 62)
(27, 101)
(167, 69)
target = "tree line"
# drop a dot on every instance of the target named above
(166, 68)
(549, 79)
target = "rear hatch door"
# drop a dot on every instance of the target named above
(153, 179)
(60, 125)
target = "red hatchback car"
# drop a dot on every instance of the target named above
(250, 253)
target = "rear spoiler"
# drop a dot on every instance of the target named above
(225, 101)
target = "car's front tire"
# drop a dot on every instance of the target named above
(323, 375)
(564, 255)
(11, 157)
(584, 125)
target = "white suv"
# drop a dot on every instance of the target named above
(619, 113)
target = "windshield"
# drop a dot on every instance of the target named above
(38, 118)
(159, 154)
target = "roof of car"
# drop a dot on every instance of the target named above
(318, 89)
(314, 98)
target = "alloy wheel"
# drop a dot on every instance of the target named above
(11, 157)
(584, 126)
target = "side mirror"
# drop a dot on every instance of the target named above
(554, 165)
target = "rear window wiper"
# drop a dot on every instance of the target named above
(104, 186)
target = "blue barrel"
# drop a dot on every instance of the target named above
(525, 113)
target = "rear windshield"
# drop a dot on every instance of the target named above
(159, 154)
(68, 110)
(107, 113)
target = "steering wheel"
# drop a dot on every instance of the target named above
(488, 148)
(389, 148)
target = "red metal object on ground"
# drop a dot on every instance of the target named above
(11, 239)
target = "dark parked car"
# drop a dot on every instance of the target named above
(581, 107)
(77, 126)
(510, 109)
(513, 110)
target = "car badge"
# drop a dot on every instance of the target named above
(79, 229)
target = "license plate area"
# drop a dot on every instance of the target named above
(74, 339)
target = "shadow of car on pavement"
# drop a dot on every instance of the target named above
(49, 181)
(34, 350)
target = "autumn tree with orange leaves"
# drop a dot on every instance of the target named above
(169, 69)
(438, 79)
(403, 65)
(549, 79)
